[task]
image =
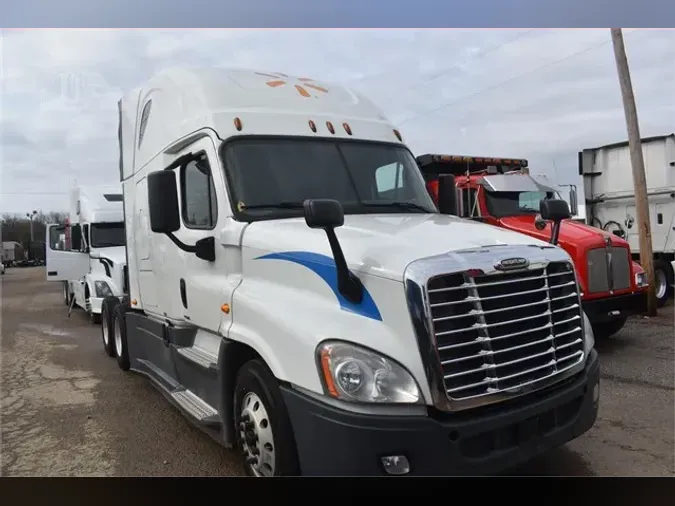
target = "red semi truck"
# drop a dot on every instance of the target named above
(501, 192)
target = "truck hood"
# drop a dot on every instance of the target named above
(382, 244)
(116, 254)
(572, 233)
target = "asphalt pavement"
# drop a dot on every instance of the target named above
(67, 409)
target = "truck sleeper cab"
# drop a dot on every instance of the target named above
(87, 253)
(500, 192)
(285, 296)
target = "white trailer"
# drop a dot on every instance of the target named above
(295, 292)
(87, 253)
(610, 199)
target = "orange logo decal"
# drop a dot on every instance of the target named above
(282, 79)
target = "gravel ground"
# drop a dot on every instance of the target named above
(67, 410)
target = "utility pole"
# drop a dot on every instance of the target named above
(638, 164)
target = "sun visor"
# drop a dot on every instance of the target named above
(513, 183)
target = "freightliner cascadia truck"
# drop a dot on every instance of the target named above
(296, 293)
(501, 192)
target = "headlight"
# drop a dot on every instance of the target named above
(102, 289)
(355, 374)
(589, 338)
(641, 279)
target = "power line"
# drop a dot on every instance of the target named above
(477, 56)
(490, 88)
(33, 193)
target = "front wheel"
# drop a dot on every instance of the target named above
(663, 278)
(120, 336)
(107, 330)
(608, 329)
(264, 434)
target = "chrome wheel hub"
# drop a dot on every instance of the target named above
(661, 284)
(255, 436)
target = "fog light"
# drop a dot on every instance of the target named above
(396, 465)
(596, 393)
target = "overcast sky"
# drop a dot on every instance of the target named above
(536, 94)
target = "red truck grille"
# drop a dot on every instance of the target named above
(499, 333)
(608, 269)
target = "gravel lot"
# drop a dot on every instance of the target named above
(67, 410)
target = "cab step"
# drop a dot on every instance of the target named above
(199, 356)
(195, 406)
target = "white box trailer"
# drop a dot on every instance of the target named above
(610, 199)
(91, 261)
(296, 293)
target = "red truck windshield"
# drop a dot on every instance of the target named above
(503, 204)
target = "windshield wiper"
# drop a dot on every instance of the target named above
(409, 206)
(278, 205)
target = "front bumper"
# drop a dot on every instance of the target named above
(332, 441)
(614, 307)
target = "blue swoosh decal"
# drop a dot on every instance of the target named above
(324, 267)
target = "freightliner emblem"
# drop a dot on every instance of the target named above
(509, 264)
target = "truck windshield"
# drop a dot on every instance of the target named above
(270, 178)
(502, 204)
(105, 235)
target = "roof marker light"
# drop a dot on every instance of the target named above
(312, 126)
(330, 127)
(347, 128)
(237, 124)
(398, 135)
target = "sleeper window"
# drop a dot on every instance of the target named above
(198, 196)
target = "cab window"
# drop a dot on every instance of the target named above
(199, 207)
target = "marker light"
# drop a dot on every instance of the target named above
(312, 125)
(237, 124)
(330, 127)
(347, 128)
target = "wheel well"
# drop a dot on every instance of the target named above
(233, 355)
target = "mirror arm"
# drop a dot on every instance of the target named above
(555, 232)
(185, 247)
(349, 285)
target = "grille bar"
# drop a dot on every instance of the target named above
(501, 332)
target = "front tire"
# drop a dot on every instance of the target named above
(120, 336)
(663, 279)
(264, 436)
(107, 332)
(608, 329)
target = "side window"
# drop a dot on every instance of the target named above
(85, 236)
(389, 180)
(57, 238)
(198, 196)
(144, 121)
(469, 203)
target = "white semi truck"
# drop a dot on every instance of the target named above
(610, 199)
(91, 261)
(297, 294)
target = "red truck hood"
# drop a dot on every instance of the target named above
(573, 235)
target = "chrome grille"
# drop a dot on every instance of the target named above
(602, 278)
(500, 332)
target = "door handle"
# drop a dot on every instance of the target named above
(183, 293)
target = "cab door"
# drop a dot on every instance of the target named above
(64, 264)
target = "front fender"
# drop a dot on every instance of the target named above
(285, 322)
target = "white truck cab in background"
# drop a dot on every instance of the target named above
(87, 253)
(294, 290)
(609, 193)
